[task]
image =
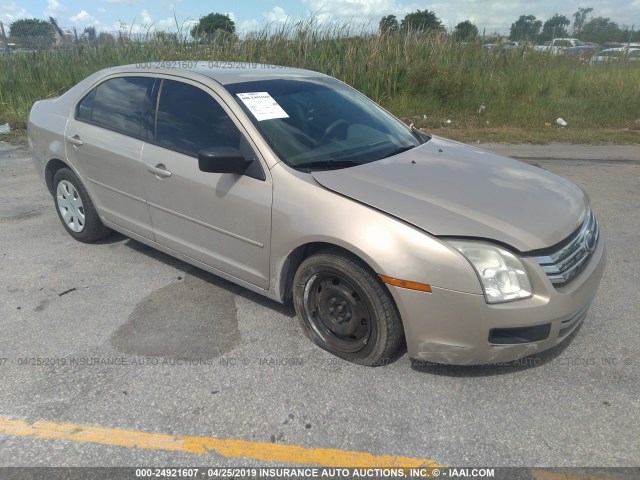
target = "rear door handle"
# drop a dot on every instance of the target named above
(159, 170)
(75, 140)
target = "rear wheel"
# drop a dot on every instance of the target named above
(344, 309)
(75, 208)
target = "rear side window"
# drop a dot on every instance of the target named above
(190, 120)
(122, 104)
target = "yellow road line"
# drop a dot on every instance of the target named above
(272, 452)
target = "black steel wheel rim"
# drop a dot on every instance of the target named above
(337, 312)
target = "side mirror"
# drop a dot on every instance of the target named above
(223, 160)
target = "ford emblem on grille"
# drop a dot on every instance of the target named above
(565, 263)
(590, 241)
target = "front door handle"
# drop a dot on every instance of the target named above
(75, 140)
(159, 170)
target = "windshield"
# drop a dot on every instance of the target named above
(320, 123)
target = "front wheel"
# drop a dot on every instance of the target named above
(75, 208)
(344, 309)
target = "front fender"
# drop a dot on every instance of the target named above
(304, 212)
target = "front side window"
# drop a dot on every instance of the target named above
(190, 120)
(121, 104)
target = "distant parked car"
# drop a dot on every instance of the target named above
(608, 45)
(8, 48)
(582, 52)
(616, 55)
(506, 45)
(558, 45)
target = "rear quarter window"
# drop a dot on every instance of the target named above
(84, 108)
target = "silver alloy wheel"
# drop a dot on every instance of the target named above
(70, 206)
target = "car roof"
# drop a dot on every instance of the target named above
(222, 71)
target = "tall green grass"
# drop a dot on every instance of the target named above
(428, 79)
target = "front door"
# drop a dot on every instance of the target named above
(222, 220)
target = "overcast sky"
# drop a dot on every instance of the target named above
(252, 14)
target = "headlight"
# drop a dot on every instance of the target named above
(501, 274)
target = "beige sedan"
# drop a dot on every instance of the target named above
(292, 184)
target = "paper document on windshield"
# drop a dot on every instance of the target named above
(262, 105)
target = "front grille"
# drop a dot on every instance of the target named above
(567, 261)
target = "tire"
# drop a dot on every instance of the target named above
(345, 310)
(75, 208)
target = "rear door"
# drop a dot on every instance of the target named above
(104, 143)
(221, 220)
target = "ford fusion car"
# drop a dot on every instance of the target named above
(294, 185)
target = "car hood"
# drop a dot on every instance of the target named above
(450, 189)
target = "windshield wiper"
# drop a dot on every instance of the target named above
(399, 150)
(328, 164)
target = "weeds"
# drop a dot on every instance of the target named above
(427, 78)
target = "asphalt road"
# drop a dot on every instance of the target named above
(254, 376)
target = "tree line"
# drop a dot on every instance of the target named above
(525, 28)
(594, 29)
(35, 33)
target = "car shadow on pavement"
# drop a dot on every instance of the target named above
(219, 282)
(112, 238)
(501, 368)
